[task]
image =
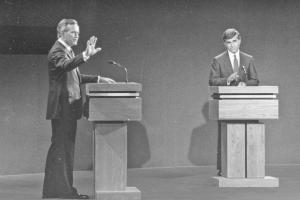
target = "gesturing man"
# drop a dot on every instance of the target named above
(64, 108)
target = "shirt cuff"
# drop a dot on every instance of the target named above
(85, 57)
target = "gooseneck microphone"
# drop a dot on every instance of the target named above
(119, 65)
(244, 68)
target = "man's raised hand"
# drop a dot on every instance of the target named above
(91, 47)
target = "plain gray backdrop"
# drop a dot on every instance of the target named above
(167, 46)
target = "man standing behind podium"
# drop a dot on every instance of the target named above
(231, 68)
(65, 108)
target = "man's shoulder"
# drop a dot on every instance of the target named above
(221, 56)
(57, 46)
(246, 55)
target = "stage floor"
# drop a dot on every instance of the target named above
(182, 183)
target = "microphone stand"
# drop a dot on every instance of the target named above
(245, 72)
(126, 74)
(119, 65)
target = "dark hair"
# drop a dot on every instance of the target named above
(230, 33)
(62, 26)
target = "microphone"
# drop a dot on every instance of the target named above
(244, 68)
(119, 65)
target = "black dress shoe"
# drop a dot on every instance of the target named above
(219, 173)
(73, 196)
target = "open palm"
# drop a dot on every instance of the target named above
(91, 46)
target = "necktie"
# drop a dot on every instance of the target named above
(235, 64)
(73, 83)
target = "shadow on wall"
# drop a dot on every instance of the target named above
(138, 145)
(203, 146)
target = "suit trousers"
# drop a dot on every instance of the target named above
(58, 180)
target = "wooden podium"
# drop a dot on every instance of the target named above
(239, 110)
(110, 106)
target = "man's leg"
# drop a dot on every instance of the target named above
(58, 179)
(59, 164)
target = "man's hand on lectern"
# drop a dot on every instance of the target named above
(233, 77)
(106, 80)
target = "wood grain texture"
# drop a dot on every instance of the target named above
(233, 150)
(267, 181)
(106, 102)
(238, 109)
(255, 150)
(115, 109)
(110, 156)
(91, 88)
(247, 96)
(130, 193)
(242, 90)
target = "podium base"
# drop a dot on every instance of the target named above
(130, 193)
(267, 181)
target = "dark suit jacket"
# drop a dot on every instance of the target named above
(221, 69)
(60, 62)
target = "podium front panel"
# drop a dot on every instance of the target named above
(243, 109)
(113, 102)
(115, 109)
(243, 103)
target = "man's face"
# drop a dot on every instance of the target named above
(233, 44)
(71, 36)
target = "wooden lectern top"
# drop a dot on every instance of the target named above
(248, 92)
(243, 103)
(243, 90)
(113, 102)
(119, 86)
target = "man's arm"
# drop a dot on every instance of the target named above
(215, 76)
(90, 51)
(252, 75)
(95, 79)
(62, 62)
(88, 78)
